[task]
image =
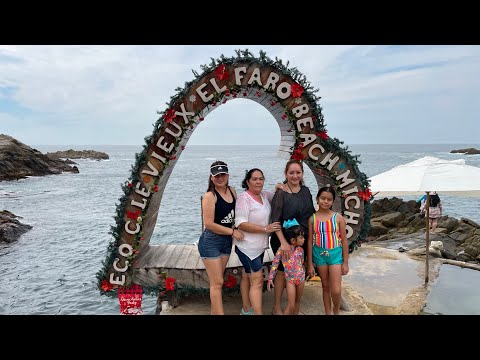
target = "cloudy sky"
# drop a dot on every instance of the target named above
(94, 95)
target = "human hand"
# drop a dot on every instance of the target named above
(270, 228)
(281, 186)
(310, 270)
(345, 268)
(270, 285)
(285, 251)
(237, 234)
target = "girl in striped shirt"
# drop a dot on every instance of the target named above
(329, 253)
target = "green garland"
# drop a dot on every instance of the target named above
(243, 56)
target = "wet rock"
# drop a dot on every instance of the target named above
(10, 228)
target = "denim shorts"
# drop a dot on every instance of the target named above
(213, 246)
(323, 256)
(250, 266)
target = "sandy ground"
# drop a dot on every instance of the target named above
(312, 303)
(382, 281)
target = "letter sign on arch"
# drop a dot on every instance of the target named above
(291, 101)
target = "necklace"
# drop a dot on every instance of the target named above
(292, 190)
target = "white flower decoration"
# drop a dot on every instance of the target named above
(139, 219)
(192, 98)
(298, 101)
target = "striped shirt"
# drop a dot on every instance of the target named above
(325, 233)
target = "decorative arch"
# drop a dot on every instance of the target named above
(290, 99)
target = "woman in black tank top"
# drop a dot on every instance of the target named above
(215, 243)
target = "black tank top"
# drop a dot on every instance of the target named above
(224, 211)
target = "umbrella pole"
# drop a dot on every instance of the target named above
(427, 235)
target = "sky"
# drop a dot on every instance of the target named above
(110, 95)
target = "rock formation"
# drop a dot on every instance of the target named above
(18, 161)
(10, 227)
(74, 154)
(392, 218)
(469, 151)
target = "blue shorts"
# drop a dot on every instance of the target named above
(250, 266)
(323, 256)
(213, 246)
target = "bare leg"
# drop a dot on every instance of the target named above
(327, 299)
(291, 296)
(434, 225)
(256, 289)
(298, 297)
(244, 291)
(335, 277)
(215, 270)
(279, 283)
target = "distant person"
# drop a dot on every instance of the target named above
(215, 243)
(293, 201)
(435, 211)
(252, 217)
(423, 201)
(294, 270)
(329, 253)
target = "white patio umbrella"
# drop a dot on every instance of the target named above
(426, 175)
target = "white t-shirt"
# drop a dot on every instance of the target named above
(248, 209)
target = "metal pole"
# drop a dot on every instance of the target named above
(427, 235)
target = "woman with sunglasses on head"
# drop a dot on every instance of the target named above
(215, 243)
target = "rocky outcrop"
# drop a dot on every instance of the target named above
(10, 227)
(469, 151)
(393, 218)
(74, 154)
(18, 161)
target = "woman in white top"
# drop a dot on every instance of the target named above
(252, 214)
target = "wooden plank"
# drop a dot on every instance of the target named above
(287, 143)
(157, 251)
(192, 260)
(200, 265)
(183, 257)
(161, 258)
(144, 257)
(284, 155)
(172, 260)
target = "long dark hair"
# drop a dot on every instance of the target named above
(434, 200)
(248, 176)
(211, 185)
(292, 232)
(327, 189)
(290, 162)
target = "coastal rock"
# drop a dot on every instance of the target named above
(10, 227)
(18, 161)
(74, 154)
(393, 218)
(468, 151)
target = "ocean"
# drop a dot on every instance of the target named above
(51, 269)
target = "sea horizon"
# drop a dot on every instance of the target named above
(72, 215)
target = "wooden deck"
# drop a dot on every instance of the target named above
(183, 262)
